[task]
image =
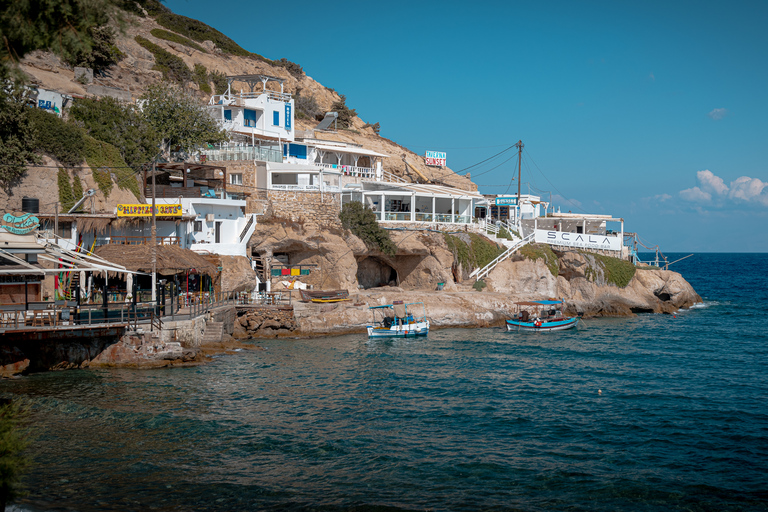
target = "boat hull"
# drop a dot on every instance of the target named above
(548, 326)
(399, 331)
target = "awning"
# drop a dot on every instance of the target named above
(345, 149)
(422, 190)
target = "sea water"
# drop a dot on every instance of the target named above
(651, 413)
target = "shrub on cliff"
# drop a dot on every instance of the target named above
(542, 251)
(17, 135)
(361, 220)
(616, 271)
(471, 250)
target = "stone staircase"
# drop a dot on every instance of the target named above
(214, 331)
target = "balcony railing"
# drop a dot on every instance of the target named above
(261, 153)
(351, 170)
(237, 99)
(138, 240)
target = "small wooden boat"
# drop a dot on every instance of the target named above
(397, 320)
(324, 295)
(541, 316)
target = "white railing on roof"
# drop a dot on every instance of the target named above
(388, 176)
(350, 170)
(237, 99)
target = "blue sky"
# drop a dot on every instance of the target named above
(656, 112)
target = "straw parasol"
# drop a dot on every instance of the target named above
(171, 259)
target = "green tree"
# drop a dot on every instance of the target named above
(103, 52)
(361, 220)
(62, 26)
(179, 119)
(345, 113)
(119, 124)
(14, 439)
(17, 136)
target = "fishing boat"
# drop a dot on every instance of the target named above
(324, 295)
(398, 320)
(541, 316)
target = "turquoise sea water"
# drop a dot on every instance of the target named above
(652, 413)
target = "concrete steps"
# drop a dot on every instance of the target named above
(214, 332)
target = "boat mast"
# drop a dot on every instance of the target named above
(519, 147)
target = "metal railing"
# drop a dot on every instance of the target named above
(237, 99)
(137, 240)
(261, 153)
(350, 170)
(248, 225)
(482, 272)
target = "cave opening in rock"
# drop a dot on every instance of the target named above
(373, 272)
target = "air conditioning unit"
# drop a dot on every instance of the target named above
(209, 217)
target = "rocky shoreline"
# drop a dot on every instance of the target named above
(583, 284)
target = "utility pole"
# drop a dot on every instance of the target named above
(154, 235)
(519, 147)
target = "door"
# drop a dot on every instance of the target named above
(217, 232)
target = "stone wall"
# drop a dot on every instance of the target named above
(311, 207)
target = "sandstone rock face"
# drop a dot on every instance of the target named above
(237, 274)
(265, 322)
(523, 278)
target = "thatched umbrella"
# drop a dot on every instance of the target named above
(171, 259)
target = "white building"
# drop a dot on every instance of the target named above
(264, 113)
(411, 202)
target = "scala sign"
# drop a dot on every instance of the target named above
(584, 241)
(507, 201)
(436, 158)
(19, 225)
(145, 210)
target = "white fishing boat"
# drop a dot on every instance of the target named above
(399, 320)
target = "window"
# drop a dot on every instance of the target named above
(276, 118)
(198, 226)
(228, 115)
(249, 117)
(236, 178)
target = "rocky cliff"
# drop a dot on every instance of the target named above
(424, 260)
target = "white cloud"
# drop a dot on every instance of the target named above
(662, 197)
(749, 189)
(718, 113)
(711, 183)
(713, 190)
(653, 78)
(695, 195)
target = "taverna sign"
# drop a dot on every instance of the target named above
(435, 158)
(19, 225)
(581, 240)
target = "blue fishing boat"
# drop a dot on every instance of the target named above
(541, 316)
(398, 320)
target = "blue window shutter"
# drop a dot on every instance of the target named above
(276, 118)
(228, 115)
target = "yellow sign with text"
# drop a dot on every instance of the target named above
(145, 210)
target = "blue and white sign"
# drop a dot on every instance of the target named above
(288, 117)
(435, 158)
(506, 201)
